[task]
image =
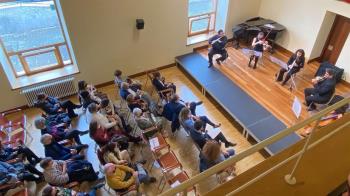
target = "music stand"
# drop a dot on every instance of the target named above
(284, 66)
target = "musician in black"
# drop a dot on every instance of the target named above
(259, 45)
(295, 63)
(324, 88)
(218, 43)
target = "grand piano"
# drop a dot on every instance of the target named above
(249, 29)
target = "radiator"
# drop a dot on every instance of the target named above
(59, 88)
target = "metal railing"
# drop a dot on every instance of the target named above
(260, 146)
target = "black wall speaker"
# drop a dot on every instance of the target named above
(140, 24)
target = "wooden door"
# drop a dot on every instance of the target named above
(336, 39)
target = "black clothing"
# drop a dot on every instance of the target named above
(321, 93)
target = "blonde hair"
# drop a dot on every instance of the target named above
(211, 150)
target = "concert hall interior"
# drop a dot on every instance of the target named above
(164, 97)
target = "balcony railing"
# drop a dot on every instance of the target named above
(289, 178)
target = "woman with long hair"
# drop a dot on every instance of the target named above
(212, 154)
(295, 63)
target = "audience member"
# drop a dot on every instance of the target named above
(172, 110)
(145, 120)
(59, 173)
(60, 191)
(196, 128)
(121, 177)
(118, 80)
(51, 105)
(59, 152)
(112, 154)
(160, 84)
(59, 133)
(9, 153)
(212, 154)
(11, 173)
(84, 87)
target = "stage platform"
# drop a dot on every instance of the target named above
(256, 121)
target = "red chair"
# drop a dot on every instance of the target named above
(13, 130)
(180, 178)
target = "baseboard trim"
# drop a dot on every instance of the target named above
(345, 83)
(314, 60)
(283, 49)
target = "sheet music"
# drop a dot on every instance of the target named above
(296, 107)
(154, 143)
(279, 62)
(214, 132)
(175, 184)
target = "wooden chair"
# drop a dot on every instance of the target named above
(6, 187)
(12, 130)
(163, 94)
(180, 178)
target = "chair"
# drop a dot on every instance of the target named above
(126, 192)
(11, 129)
(180, 178)
(6, 187)
(163, 94)
(168, 162)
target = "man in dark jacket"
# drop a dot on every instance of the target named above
(322, 92)
(52, 106)
(218, 43)
(58, 151)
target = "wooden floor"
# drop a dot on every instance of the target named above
(180, 144)
(261, 85)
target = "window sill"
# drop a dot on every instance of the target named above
(199, 38)
(24, 81)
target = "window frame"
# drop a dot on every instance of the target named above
(38, 51)
(211, 16)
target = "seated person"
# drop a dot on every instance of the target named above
(59, 173)
(295, 63)
(196, 128)
(133, 103)
(60, 191)
(212, 154)
(9, 153)
(58, 151)
(86, 99)
(322, 92)
(11, 173)
(99, 134)
(121, 177)
(84, 87)
(125, 90)
(59, 133)
(93, 115)
(199, 135)
(107, 109)
(51, 105)
(118, 80)
(145, 121)
(113, 154)
(160, 84)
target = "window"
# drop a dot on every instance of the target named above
(31, 36)
(201, 16)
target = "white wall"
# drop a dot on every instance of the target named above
(303, 20)
(103, 36)
(344, 60)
